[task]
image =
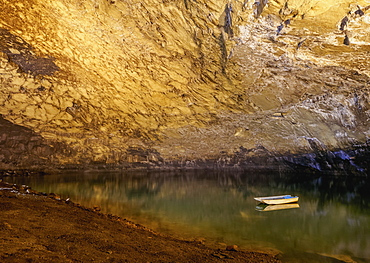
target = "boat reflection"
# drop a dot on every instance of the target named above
(264, 207)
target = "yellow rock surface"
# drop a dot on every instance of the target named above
(185, 79)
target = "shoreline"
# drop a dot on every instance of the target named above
(43, 228)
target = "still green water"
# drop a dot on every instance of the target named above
(331, 224)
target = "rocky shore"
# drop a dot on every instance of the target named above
(39, 227)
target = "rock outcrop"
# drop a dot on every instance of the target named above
(181, 83)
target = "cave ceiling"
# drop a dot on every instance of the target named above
(114, 81)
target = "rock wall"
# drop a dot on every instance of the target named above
(161, 83)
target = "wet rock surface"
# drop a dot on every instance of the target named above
(181, 83)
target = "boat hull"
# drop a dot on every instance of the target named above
(277, 200)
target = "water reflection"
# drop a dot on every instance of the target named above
(264, 207)
(332, 221)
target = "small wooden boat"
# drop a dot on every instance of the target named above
(277, 200)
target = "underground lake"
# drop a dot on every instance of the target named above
(330, 223)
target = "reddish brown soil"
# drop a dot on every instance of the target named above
(37, 228)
